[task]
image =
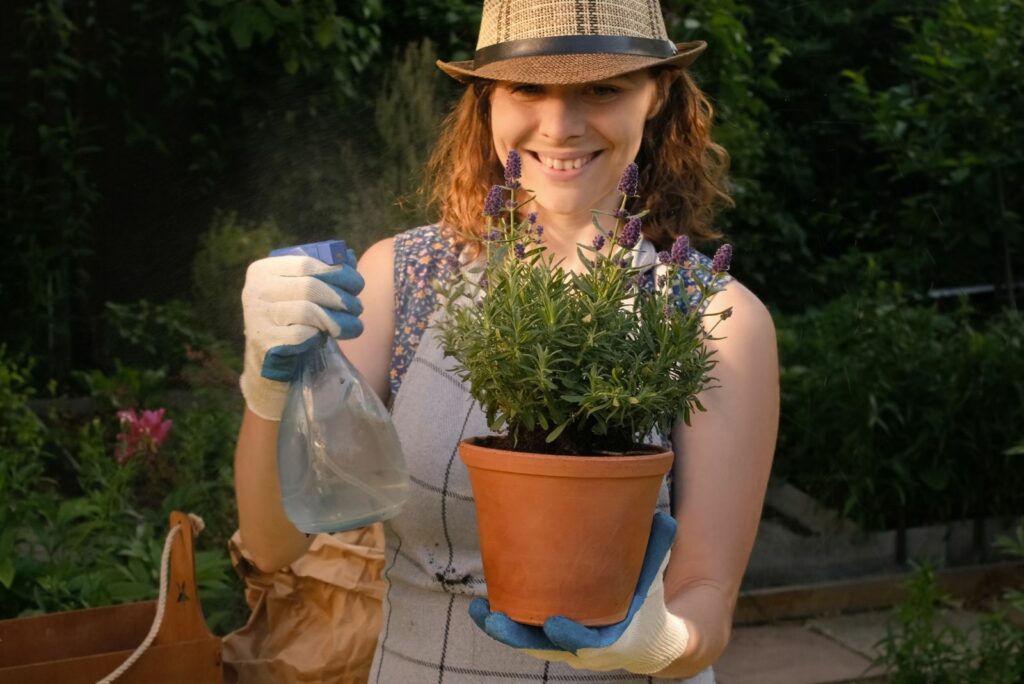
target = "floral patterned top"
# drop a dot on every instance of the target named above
(422, 255)
(427, 254)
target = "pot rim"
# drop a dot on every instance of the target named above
(475, 455)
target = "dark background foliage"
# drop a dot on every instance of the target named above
(884, 129)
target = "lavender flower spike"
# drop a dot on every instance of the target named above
(513, 169)
(680, 250)
(520, 250)
(532, 217)
(723, 258)
(492, 204)
(628, 181)
(630, 234)
(598, 242)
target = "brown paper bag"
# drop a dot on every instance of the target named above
(316, 620)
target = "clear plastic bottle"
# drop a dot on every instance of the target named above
(339, 459)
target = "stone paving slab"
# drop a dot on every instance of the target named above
(789, 654)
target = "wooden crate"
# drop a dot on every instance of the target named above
(84, 646)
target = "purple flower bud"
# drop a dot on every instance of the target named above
(492, 204)
(623, 263)
(723, 258)
(621, 214)
(513, 169)
(494, 235)
(520, 250)
(664, 257)
(510, 204)
(630, 234)
(628, 181)
(532, 217)
(540, 231)
(598, 242)
(662, 279)
(452, 262)
(680, 250)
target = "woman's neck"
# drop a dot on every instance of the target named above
(561, 240)
(564, 233)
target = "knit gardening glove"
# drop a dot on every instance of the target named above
(646, 641)
(291, 304)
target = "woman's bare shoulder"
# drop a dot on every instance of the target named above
(371, 351)
(749, 316)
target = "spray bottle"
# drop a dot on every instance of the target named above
(339, 459)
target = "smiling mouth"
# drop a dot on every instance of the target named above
(565, 164)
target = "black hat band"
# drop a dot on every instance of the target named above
(574, 45)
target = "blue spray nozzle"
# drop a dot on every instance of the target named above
(332, 252)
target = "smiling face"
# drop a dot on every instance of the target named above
(575, 140)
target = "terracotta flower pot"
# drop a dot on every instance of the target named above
(563, 535)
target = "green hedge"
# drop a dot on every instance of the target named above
(897, 413)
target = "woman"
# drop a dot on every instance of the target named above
(580, 89)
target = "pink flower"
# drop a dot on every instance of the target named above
(141, 432)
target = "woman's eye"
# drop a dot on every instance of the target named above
(603, 90)
(526, 88)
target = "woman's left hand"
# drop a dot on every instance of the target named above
(649, 638)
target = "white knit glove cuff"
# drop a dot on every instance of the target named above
(265, 398)
(653, 641)
(659, 647)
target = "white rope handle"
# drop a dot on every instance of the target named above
(161, 603)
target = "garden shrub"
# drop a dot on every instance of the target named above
(22, 448)
(126, 386)
(922, 646)
(864, 412)
(988, 425)
(898, 414)
(153, 335)
(79, 529)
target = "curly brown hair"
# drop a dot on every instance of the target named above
(683, 172)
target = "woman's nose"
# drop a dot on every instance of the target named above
(561, 118)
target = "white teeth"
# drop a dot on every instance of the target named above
(563, 164)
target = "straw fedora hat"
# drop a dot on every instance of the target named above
(570, 41)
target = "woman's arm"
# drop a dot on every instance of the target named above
(721, 473)
(270, 539)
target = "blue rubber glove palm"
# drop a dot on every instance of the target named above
(647, 640)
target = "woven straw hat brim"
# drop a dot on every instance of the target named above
(566, 69)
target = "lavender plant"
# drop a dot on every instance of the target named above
(586, 362)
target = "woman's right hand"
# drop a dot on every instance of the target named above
(289, 303)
